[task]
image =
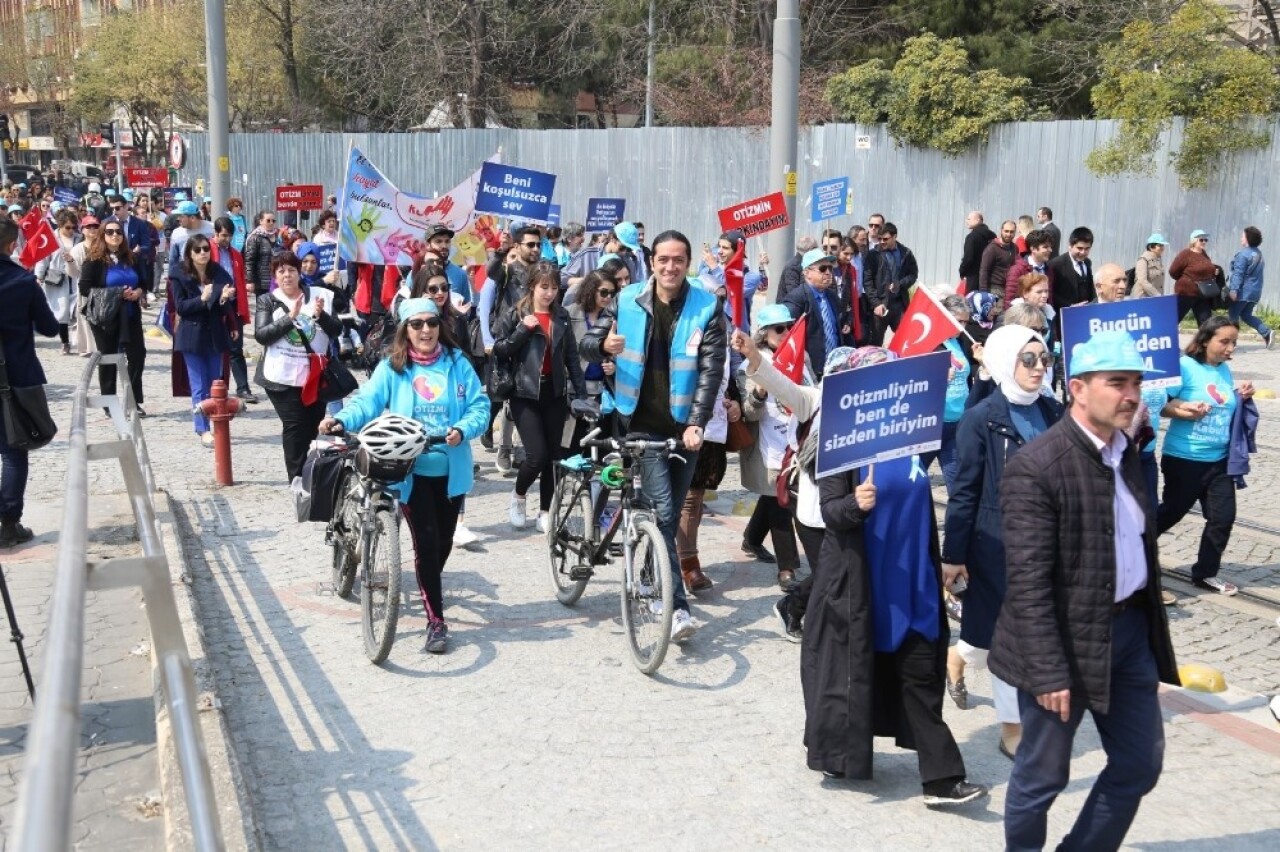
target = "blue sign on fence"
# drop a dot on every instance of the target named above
(882, 412)
(604, 213)
(831, 198)
(65, 195)
(327, 255)
(514, 192)
(171, 195)
(553, 215)
(1152, 322)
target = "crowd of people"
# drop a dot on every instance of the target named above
(1048, 554)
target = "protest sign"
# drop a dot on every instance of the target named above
(308, 196)
(553, 215)
(882, 412)
(1151, 322)
(327, 255)
(604, 213)
(140, 178)
(379, 224)
(757, 216)
(65, 195)
(171, 194)
(515, 192)
(831, 198)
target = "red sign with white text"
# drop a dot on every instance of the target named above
(303, 197)
(147, 178)
(757, 216)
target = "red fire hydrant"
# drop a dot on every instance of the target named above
(220, 408)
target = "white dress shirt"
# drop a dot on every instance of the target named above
(1131, 556)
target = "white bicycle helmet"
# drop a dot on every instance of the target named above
(391, 438)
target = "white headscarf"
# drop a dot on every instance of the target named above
(1000, 357)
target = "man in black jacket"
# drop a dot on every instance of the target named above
(792, 273)
(1082, 626)
(826, 320)
(25, 309)
(974, 243)
(1073, 273)
(890, 289)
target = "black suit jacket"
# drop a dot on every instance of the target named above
(800, 301)
(971, 261)
(1068, 287)
(1055, 236)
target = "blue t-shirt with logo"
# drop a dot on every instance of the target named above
(1206, 439)
(1155, 398)
(431, 409)
(958, 386)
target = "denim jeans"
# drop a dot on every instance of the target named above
(664, 483)
(1239, 311)
(13, 480)
(202, 369)
(947, 455)
(1132, 734)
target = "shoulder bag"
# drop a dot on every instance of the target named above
(329, 376)
(102, 307)
(24, 412)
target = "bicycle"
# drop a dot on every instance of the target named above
(365, 537)
(576, 545)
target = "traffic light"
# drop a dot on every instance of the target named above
(108, 132)
(4, 126)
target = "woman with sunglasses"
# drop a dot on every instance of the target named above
(761, 462)
(55, 274)
(988, 435)
(109, 263)
(291, 323)
(596, 293)
(426, 377)
(1189, 269)
(536, 337)
(616, 270)
(204, 296)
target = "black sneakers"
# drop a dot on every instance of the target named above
(12, 532)
(758, 552)
(437, 637)
(791, 627)
(952, 792)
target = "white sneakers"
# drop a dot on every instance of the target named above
(682, 625)
(542, 522)
(516, 512)
(463, 536)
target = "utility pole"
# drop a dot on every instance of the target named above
(215, 29)
(115, 137)
(783, 134)
(648, 79)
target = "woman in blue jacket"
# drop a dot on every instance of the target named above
(1244, 290)
(205, 299)
(426, 376)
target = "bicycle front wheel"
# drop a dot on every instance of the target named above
(570, 535)
(380, 586)
(648, 598)
(345, 533)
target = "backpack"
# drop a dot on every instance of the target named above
(376, 343)
(1129, 277)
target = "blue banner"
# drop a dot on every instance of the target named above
(171, 194)
(515, 193)
(553, 215)
(604, 213)
(327, 255)
(831, 198)
(882, 412)
(1151, 322)
(65, 195)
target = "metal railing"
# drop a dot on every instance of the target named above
(44, 810)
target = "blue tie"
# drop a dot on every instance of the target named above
(828, 320)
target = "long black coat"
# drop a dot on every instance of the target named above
(527, 347)
(1054, 630)
(851, 693)
(985, 440)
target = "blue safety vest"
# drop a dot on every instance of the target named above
(633, 324)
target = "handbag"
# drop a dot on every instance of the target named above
(738, 437)
(786, 488)
(1209, 289)
(24, 412)
(328, 379)
(501, 381)
(315, 493)
(102, 308)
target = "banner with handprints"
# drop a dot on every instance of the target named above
(383, 225)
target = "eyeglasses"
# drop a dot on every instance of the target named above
(436, 290)
(113, 232)
(268, 221)
(196, 249)
(429, 322)
(831, 248)
(532, 245)
(605, 294)
(117, 206)
(885, 238)
(782, 328)
(824, 267)
(1029, 359)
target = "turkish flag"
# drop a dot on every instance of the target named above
(962, 288)
(924, 326)
(40, 245)
(734, 281)
(789, 359)
(30, 223)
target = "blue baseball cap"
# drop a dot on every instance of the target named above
(1110, 352)
(628, 235)
(110, 193)
(1156, 239)
(179, 196)
(813, 256)
(1197, 234)
(420, 305)
(774, 314)
(187, 208)
(127, 195)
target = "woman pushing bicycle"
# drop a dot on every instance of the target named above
(428, 378)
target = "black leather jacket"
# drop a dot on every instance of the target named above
(267, 329)
(526, 347)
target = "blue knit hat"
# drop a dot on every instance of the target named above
(420, 305)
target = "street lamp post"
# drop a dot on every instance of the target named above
(215, 28)
(783, 135)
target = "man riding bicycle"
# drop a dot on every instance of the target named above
(668, 339)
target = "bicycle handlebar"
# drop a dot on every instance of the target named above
(634, 447)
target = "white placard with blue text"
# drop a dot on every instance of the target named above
(882, 412)
(830, 199)
(515, 193)
(1151, 322)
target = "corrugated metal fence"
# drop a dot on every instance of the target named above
(680, 177)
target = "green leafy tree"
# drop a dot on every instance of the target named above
(932, 98)
(1184, 68)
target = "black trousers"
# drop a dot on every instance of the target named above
(1201, 307)
(126, 337)
(771, 519)
(916, 664)
(540, 424)
(239, 369)
(432, 517)
(300, 424)
(798, 595)
(1186, 482)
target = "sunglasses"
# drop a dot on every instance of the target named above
(532, 245)
(431, 322)
(436, 290)
(117, 206)
(113, 232)
(824, 267)
(89, 228)
(605, 294)
(1029, 359)
(782, 328)
(1040, 330)
(886, 238)
(196, 249)
(831, 248)
(268, 221)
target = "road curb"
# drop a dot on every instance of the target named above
(235, 811)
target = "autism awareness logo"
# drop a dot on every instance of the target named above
(303, 331)
(423, 388)
(1215, 394)
(956, 363)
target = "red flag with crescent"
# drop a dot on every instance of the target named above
(42, 243)
(924, 326)
(789, 359)
(734, 283)
(30, 223)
